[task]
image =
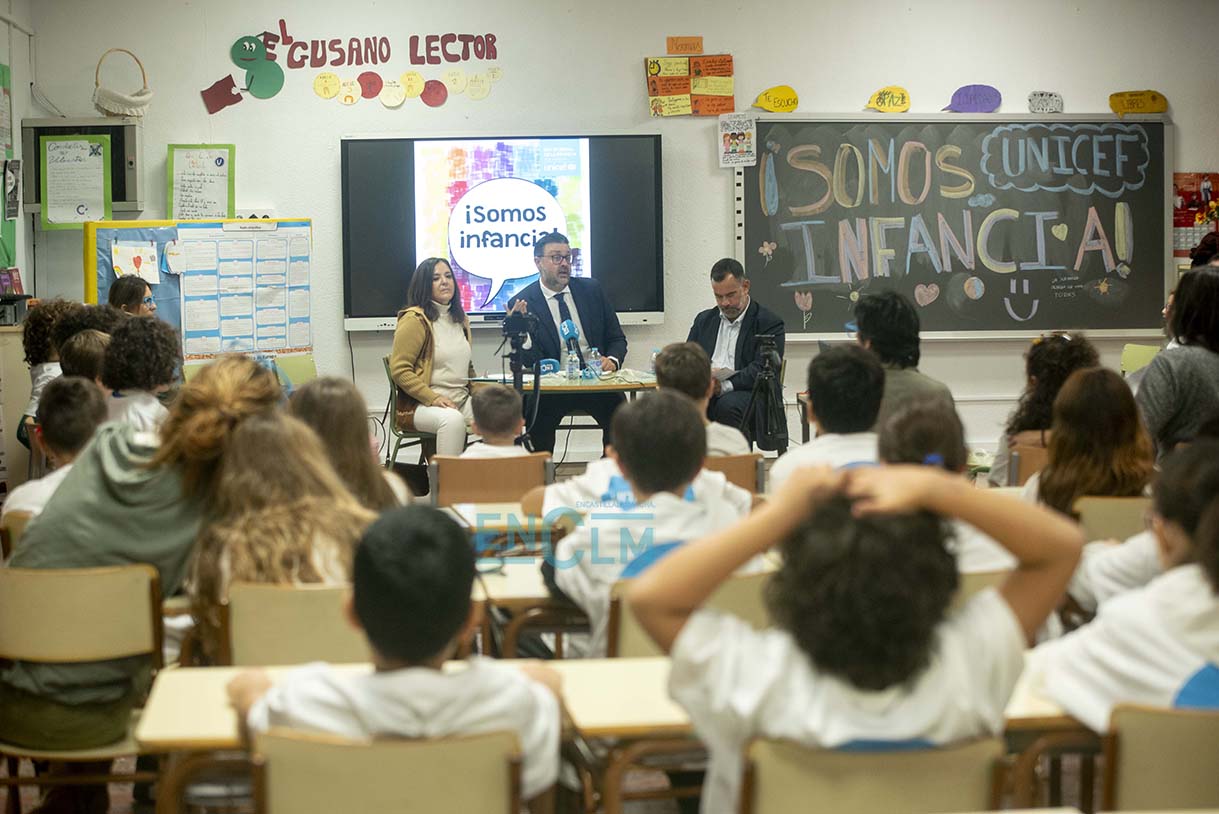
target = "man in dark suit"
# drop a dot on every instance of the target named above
(552, 299)
(729, 333)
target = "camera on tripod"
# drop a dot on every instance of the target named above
(768, 352)
(764, 422)
(520, 324)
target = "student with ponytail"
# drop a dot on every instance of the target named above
(280, 516)
(131, 497)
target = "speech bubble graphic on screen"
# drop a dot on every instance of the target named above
(492, 229)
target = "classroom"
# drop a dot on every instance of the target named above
(350, 201)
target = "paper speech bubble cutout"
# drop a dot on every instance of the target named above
(890, 99)
(1137, 101)
(493, 226)
(455, 80)
(478, 86)
(779, 99)
(975, 99)
(412, 83)
(370, 84)
(326, 85)
(392, 94)
(434, 93)
(1045, 101)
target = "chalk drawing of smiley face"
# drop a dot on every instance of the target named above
(1007, 302)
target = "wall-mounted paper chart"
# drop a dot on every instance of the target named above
(201, 181)
(75, 180)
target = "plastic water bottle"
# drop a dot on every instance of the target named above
(652, 364)
(573, 365)
(594, 361)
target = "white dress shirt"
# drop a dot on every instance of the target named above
(575, 317)
(725, 345)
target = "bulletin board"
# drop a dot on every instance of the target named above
(228, 286)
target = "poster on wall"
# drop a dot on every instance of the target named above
(1192, 195)
(75, 180)
(738, 137)
(690, 86)
(201, 181)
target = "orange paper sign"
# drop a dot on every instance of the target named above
(684, 45)
(668, 85)
(712, 105)
(713, 65)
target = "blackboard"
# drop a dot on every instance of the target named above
(994, 226)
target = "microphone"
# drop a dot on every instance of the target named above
(570, 333)
(549, 366)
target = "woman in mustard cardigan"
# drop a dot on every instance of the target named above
(430, 362)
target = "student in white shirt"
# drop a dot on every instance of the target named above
(864, 650)
(141, 361)
(845, 388)
(412, 578)
(69, 412)
(686, 368)
(500, 422)
(928, 431)
(1158, 644)
(659, 444)
(336, 411)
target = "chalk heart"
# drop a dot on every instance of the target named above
(924, 295)
(1059, 231)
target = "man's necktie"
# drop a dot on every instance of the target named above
(565, 315)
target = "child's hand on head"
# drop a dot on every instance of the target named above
(811, 483)
(893, 489)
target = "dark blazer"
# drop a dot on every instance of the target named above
(597, 317)
(758, 321)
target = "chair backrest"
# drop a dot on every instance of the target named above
(1156, 759)
(67, 615)
(745, 471)
(782, 777)
(291, 624)
(1137, 357)
(391, 407)
(1112, 518)
(742, 596)
(1025, 462)
(12, 529)
(301, 773)
(970, 584)
(487, 480)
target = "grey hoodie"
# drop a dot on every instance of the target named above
(111, 509)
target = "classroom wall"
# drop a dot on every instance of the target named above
(575, 67)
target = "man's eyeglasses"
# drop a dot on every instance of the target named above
(558, 259)
(148, 300)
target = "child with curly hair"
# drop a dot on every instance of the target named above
(1047, 364)
(140, 362)
(40, 354)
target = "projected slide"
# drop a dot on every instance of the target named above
(482, 203)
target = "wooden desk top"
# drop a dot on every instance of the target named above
(517, 585)
(188, 709)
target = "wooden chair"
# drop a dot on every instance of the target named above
(289, 624)
(402, 438)
(745, 471)
(303, 773)
(1156, 759)
(743, 596)
(487, 480)
(781, 777)
(11, 531)
(1112, 518)
(73, 615)
(1025, 461)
